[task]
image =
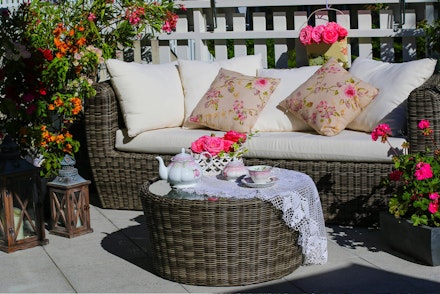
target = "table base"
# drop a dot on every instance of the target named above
(226, 242)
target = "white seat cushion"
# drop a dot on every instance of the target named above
(346, 146)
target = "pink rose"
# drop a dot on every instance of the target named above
(198, 145)
(305, 35)
(213, 145)
(235, 136)
(342, 32)
(227, 145)
(330, 35)
(317, 33)
(423, 171)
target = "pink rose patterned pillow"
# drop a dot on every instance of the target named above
(330, 99)
(233, 101)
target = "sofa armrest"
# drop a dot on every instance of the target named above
(101, 119)
(424, 103)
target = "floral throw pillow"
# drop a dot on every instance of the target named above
(330, 99)
(233, 101)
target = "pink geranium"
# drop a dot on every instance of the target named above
(383, 131)
(433, 207)
(414, 180)
(423, 171)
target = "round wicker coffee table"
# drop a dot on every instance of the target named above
(225, 242)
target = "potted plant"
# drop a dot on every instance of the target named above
(51, 53)
(412, 224)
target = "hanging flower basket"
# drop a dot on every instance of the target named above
(318, 54)
(325, 41)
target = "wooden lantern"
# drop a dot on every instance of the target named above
(21, 208)
(69, 202)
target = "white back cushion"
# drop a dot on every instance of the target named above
(395, 82)
(150, 95)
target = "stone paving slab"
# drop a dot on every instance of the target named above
(115, 259)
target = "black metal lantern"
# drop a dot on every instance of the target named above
(69, 201)
(21, 208)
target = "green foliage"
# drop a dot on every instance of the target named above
(51, 52)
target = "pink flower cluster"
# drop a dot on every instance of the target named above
(133, 14)
(170, 22)
(216, 145)
(423, 171)
(329, 34)
(383, 131)
(433, 205)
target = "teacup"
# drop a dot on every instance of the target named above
(260, 174)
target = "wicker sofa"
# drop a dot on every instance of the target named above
(349, 191)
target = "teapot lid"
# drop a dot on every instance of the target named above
(183, 156)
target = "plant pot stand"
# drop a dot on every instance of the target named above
(421, 243)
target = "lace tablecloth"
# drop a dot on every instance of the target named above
(293, 193)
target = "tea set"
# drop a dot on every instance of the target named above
(183, 171)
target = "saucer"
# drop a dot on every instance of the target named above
(249, 183)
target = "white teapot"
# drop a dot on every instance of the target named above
(182, 172)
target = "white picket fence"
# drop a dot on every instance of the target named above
(281, 20)
(220, 24)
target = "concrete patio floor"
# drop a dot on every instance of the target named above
(113, 259)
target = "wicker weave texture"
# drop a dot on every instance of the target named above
(349, 191)
(424, 104)
(219, 243)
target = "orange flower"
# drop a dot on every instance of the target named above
(58, 102)
(68, 148)
(82, 41)
(71, 32)
(51, 107)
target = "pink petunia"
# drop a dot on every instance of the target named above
(423, 171)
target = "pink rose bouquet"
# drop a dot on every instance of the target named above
(414, 180)
(329, 34)
(231, 144)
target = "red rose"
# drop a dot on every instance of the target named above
(235, 136)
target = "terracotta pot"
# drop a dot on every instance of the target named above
(421, 243)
